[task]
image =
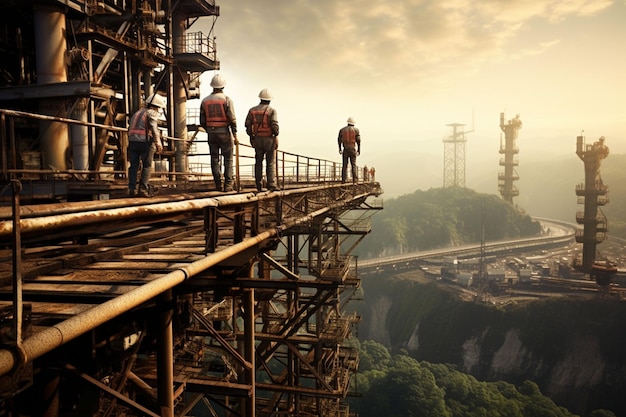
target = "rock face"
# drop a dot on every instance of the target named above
(572, 348)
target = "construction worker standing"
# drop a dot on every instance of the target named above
(350, 138)
(217, 117)
(144, 139)
(262, 127)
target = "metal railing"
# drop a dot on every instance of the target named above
(292, 169)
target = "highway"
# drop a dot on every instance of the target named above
(556, 234)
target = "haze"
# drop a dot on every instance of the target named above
(404, 69)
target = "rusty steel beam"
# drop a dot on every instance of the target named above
(52, 337)
(44, 341)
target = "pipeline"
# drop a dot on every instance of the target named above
(52, 337)
(64, 215)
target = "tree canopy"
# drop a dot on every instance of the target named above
(443, 217)
(399, 386)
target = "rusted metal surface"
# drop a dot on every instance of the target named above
(77, 289)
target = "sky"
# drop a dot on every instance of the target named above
(405, 69)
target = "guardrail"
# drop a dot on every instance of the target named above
(16, 163)
(491, 248)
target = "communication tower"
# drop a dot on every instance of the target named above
(454, 157)
(509, 150)
(593, 194)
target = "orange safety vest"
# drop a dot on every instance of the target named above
(261, 123)
(215, 113)
(138, 124)
(348, 137)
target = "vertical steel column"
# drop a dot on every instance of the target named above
(47, 405)
(249, 349)
(239, 226)
(165, 357)
(17, 265)
(4, 148)
(210, 229)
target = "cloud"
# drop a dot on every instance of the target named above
(427, 41)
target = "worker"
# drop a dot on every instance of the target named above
(217, 117)
(144, 139)
(350, 139)
(262, 127)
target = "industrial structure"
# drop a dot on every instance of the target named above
(94, 63)
(507, 178)
(454, 157)
(193, 302)
(592, 194)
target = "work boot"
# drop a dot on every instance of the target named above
(144, 193)
(130, 193)
(228, 188)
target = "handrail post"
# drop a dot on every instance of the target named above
(17, 264)
(298, 169)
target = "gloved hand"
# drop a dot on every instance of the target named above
(340, 151)
(236, 141)
(275, 142)
(252, 141)
(358, 153)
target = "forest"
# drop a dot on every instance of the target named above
(442, 217)
(400, 386)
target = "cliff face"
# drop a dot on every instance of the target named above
(574, 349)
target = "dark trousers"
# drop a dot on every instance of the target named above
(220, 143)
(140, 152)
(349, 155)
(264, 149)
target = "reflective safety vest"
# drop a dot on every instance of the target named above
(261, 123)
(348, 137)
(215, 113)
(138, 124)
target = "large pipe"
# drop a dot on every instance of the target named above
(46, 340)
(179, 23)
(80, 138)
(52, 337)
(111, 210)
(165, 356)
(95, 216)
(50, 38)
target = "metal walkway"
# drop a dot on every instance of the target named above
(231, 302)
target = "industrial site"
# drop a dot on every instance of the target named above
(201, 300)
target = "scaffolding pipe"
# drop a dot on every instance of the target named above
(65, 219)
(52, 337)
(165, 356)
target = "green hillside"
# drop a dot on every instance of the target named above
(442, 217)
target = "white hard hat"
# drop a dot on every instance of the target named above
(156, 100)
(350, 120)
(265, 94)
(218, 81)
